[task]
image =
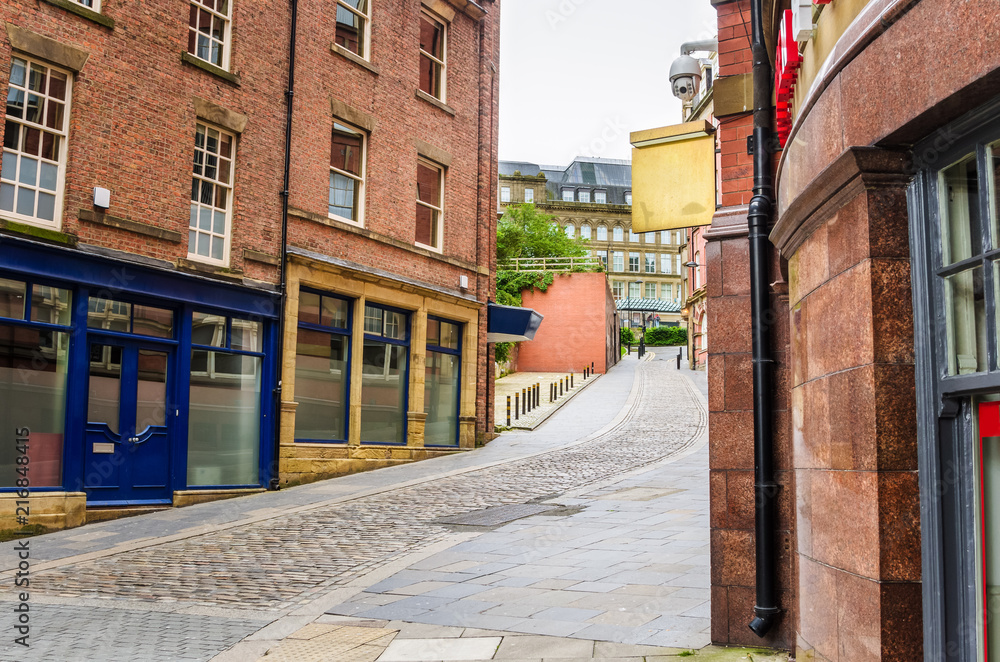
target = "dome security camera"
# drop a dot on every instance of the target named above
(685, 77)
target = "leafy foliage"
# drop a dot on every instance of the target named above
(666, 335)
(526, 232)
(627, 337)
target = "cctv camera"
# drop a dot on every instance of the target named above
(685, 77)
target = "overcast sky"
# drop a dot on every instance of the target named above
(577, 75)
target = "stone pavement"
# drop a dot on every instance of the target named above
(514, 383)
(233, 580)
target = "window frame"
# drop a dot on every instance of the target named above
(618, 261)
(583, 193)
(227, 40)
(600, 227)
(95, 7)
(441, 62)
(63, 134)
(361, 180)
(405, 341)
(504, 194)
(428, 347)
(947, 405)
(365, 41)
(633, 262)
(600, 194)
(529, 195)
(439, 234)
(618, 233)
(230, 200)
(344, 332)
(588, 233)
(571, 193)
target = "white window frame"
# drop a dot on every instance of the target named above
(18, 155)
(585, 231)
(529, 195)
(601, 227)
(439, 239)
(649, 287)
(634, 287)
(230, 201)
(617, 289)
(628, 199)
(570, 192)
(367, 33)
(226, 38)
(664, 236)
(649, 263)
(504, 194)
(618, 261)
(618, 234)
(666, 263)
(666, 291)
(443, 61)
(95, 5)
(570, 230)
(584, 195)
(360, 181)
(633, 237)
(633, 255)
(601, 197)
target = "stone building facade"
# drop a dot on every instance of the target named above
(883, 301)
(592, 199)
(141, 289)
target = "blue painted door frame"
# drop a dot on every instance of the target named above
(127, 461)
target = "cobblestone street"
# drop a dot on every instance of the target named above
(614, 549)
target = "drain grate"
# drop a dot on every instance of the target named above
(496, 516)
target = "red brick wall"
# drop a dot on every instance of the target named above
(574, 332)
(132, 120)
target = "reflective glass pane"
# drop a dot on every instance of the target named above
(33, 365)
(441, 392)
(433, 332)
(245, 336)
(395, 325)
(12, 298)
(350, 31)
(309, 308)
(151, 391)
(224, 429)
(104, 387)
(150, 321)
(335, 312)
(321, 386)
(960, 211)
(426, 225)
(373, 320)
(346, 151)
(383, 392)
(451, 335)
(52, 305)
(966, 322)
(109, 314)
(994, 172)
(208, 329)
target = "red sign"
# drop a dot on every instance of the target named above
(786, 73)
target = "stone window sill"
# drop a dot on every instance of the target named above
(437, 103)
(210, 68)
(80, 10)
(353, 57)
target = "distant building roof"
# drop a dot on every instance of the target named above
(586, 172)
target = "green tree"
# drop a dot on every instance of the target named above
(526, 232)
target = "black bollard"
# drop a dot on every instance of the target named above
(508, 411)
(571, 380)
(517, 408)
(678, 359)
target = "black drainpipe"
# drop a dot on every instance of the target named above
(275, 482)
(761, 206)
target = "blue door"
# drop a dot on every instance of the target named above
(128, 435)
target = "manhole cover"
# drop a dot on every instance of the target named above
(496, 515)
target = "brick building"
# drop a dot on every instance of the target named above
(883, 301)
(141, 256)
(592, 198)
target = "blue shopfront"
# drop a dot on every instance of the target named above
(135, 384)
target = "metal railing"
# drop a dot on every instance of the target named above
(551, 264)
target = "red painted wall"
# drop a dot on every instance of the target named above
(575, 331)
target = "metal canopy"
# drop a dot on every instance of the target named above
(649, 306)
(511, 324)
